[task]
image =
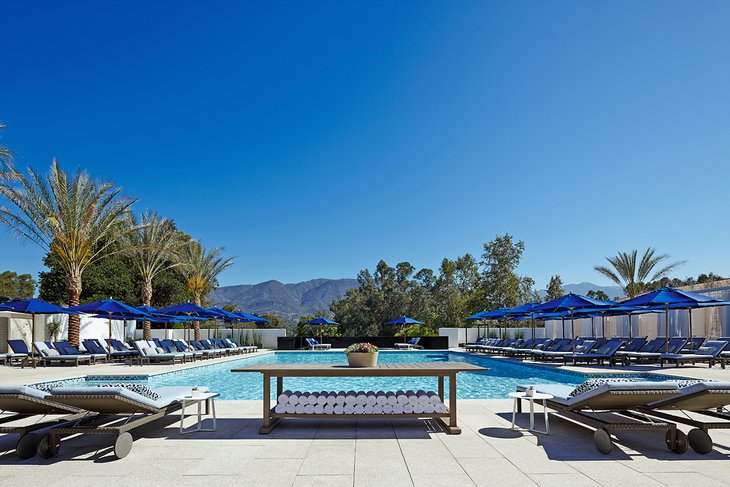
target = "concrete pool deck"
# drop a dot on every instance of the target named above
(367, 453)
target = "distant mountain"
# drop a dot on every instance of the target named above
(584, 287)
(286, 300)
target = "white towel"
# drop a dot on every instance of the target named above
(299, 409)
(280, 408)
(291, 409)
(440, 408)
(369, 408)
(392, 399)
(361, 398)
(387, 409)
(349, 408)
(351, 398)
(423, 400)
(283, 397)
(339, 409)
(371, 398)
(428, 408)
(328, 409)
(402, 398)
(312, 399)
(398, 409)
(340, 400)
(319, 409)
(418, 408)
(309, 409)
(331, 398)
(378, 409)
(293, 398)
(413, 400)
(407, 409)
(381, 398)
(359, 408)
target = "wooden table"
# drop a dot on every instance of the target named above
(421, 369)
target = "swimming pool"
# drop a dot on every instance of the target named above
(500, 379)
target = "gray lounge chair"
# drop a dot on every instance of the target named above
(707, 353)
(149, 353)
(51, 355)
(111, 405)
(315, 345)
(410, 344)
(617, 403)
(703, 399)
(18, 403)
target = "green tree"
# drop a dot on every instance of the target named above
(201, 269)
(153, 245)
(633, 275)
(554, 288)
(597, 294)
(274, 322)
(72, 215)
(16, 286)
(502, 286)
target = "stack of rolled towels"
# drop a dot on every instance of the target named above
(359, 402)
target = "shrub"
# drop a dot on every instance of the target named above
(416, 331)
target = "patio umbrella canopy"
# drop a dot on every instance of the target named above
(188, 309)
(667, 298)
(322, 322)
(402, 321)
(523, 312)
(570, 303)
(110, 308)
(495, 314)
(34, 307)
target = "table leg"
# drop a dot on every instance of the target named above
(545, 413)
(182, 415)
(514, 411)
(441, 388)
(452, 401)
(532, 415)
(279, 386)
(200, 416)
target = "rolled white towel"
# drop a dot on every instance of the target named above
(361, 398)
(312, 399)
(349, 408)
(284, 397)
(304, 398)
(293, 398)
(331, 398)
(318, 409)
(392, 399)
(322, 398)
(339, 409)
(398, 409)
(440, 408)
(371, 398)
(407, 409)
(435, 399)
(428, 408)
(340, 400)
(423, 400)
(291, 409)
(351, 398)
(359, 408)
(329, 409)
(309, 409)
(369, 408)
(387, 409)
(381, 398)
(418, 408)
(299, 409)
(378, 409)
(413, 400)
(280, 408)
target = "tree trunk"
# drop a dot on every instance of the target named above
(197, 299)
(146, 300)
(73, 286)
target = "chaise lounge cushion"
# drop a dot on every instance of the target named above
(591, 384)
(49, 352)
(24, 390)
(167, 395)
(561, 393)
(140, 389)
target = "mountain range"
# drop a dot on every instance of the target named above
(290, 301)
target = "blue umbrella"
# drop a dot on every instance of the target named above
(322, 322)
(571, 302)
(524, 311)
(188, 309)
(667, 298)
(110, 307)
(249, 318)
(495, 314)
(35, 307)
(404, 320)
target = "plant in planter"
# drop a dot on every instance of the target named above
(362, 355)
(54, 328)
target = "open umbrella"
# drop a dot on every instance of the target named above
(244, 317)
(322, 322)
(188, 309)
(620, 310)
(402, 321)
(572, 302)
(495, 314)
(34, 307)
(110, 308)
(523, 311)
(667, 298)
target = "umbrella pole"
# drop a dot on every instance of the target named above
(631, 327)
(572, 331)
(108, 345)
(562, 325)
(666, 324)
(603, 325)
(32, 338)
(689, 310)
(593, 326)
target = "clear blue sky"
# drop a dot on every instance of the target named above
(313, 138)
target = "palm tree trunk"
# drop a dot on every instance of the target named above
(197, 299)
(147, 300)
(73, 286)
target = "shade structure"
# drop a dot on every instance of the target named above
(402, 321)
(667, 298)
(249, 318)
(109, 308)
(619, 310)
(35, 307)
(572, 302)
(495, 314)
(523, 311)
(321, 322)
(188, 309)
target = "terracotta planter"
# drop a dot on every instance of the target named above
(362, 359)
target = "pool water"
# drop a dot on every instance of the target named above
(500, 379)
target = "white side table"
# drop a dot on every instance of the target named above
(204, 397)
(537, 396)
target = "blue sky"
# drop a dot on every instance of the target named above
(313, 138)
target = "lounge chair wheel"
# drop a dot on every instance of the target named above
(27, 446)
(123, 445)
(44, 447)
(682, 443)
(700, 441)
(603, 441)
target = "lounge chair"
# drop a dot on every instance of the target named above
(151, 354)
(409, 345)
(209, 345)
(707, 353)
(197, 346)
(469, 347)
(20, 352)
(315, 345)
(51, 355)
(118, 410)
(694, 344)
(604, 352)
(229, 348)
(95, 347)
(631, 344)
(179, 346)
(705, 400)
(613, 406)
(566, 348)
(19, 403)
(675, 345)
(244, 348)
(66, 348)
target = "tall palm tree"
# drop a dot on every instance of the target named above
(74, 216)
(202, 269)
(633, 275)
(154, 245)
(6, 157)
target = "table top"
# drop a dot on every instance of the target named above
(383, 369)
(535, 395)
(201, 397)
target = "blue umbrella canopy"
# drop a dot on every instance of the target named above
(36, 306)
(489, 315)
(249, 318)
(110, 308)
(187, 309)
(404, 320)
(321, 321)
(223, 314)
(572, 302)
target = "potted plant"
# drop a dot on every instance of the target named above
(54, 328)
(362, 355)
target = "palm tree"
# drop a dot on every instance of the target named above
(6, 157)
(202, 269)
(632, 279)
(154, 245)
(74, 216)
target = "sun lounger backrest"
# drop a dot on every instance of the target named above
(675, 345)
(712, 348)
(18, 346)
(624, 395)
(633, 344)
(652, 346)
(29, 400)
(92, 346)
(695, 343)
(702, 396)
